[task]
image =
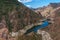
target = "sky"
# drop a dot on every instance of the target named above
(37, 3)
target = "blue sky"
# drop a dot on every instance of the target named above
(37, 3)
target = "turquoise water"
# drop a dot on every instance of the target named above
(35, 28)
(45, 24)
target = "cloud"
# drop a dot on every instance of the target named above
(28, 5)
(25, 1)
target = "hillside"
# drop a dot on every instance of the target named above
(52, 11)
(15, 16)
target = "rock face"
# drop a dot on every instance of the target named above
(16, 16)
(56, 26)
(45, 35)
(52, 11)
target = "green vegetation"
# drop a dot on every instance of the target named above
(8, 23)
(5, 8)
(58, 14)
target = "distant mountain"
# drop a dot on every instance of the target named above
(52, 11)
(16, 16)
(46, 9)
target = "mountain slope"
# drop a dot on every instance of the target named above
(52, 11)
(15, 15)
